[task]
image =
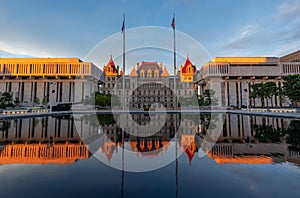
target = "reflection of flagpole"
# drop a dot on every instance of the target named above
(123, 174)
(123, 106)
(175, 91)
(123, 86)
(176, 162)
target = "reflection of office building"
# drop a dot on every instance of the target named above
(44, 140)
(232, 77)
(148, 83)
(43, 153)
(253, 140)
(61, 80)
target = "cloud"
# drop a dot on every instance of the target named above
(289, 9)
(243, 39)
(9, 50)
(284, 49)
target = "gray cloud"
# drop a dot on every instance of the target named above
(288, 9)
(243, 40)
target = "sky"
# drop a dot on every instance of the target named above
(35, 28)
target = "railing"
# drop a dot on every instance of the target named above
(49, 69)
(290, 68)
(42, 153)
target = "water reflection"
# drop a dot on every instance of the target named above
(40, 141)
(244, 139)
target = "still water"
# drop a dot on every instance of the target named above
(189, 156)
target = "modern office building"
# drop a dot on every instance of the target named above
(61, 80)
(232, 77)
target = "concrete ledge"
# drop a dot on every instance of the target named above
(284, 110)
(258, 110)
(279, 110)
(23, 111)
(39, 110)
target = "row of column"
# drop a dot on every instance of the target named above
(57, 91)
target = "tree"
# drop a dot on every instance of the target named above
(6, 100)
(258, 92)
(17, 102)
(268, 133)
(207, 98)
(45, 100)
(291, 87)
(36, 101)
(102, 100)
(270, 90)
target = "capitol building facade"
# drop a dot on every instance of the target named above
(150, 83)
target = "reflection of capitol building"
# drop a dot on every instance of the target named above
(154, 145)
(150, 83)
(149, 146)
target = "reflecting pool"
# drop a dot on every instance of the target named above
(189, 155)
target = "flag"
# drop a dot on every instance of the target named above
(123, 26)
(173, 23)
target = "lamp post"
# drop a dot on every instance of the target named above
(247, 90)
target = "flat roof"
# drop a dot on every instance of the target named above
(40, 60)
(245, 60)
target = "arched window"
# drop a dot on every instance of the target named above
(149, 73)
(142, 73)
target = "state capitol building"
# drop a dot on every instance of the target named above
(148, 83)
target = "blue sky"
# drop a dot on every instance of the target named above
(223, 27)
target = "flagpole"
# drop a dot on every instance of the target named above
(123, 86)
(175, 106)
(175, 86)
